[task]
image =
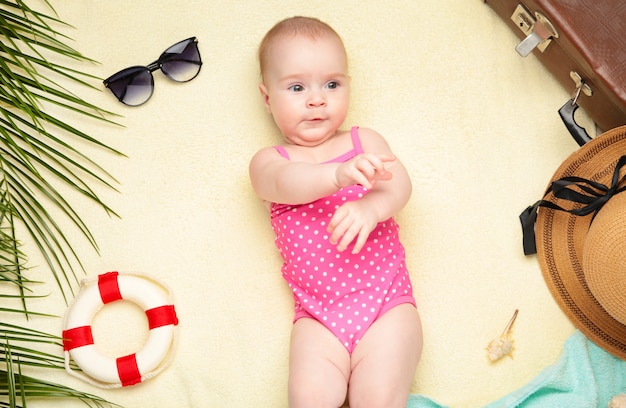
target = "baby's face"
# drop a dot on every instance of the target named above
(306, 87)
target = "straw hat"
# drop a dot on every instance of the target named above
(581, 239)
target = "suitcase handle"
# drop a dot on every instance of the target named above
(567, 115)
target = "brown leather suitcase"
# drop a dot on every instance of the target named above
(583, 44)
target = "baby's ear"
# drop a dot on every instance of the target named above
(266, 97)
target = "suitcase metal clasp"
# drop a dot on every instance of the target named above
(538, 29)
(581, 86)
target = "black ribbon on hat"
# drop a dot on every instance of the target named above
(591, 194)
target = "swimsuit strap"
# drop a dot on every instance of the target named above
(355, 151)
(356, 140)
(281, 150)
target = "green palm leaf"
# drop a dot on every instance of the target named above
(36, 154)
(39, 161)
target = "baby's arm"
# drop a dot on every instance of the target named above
(356, 219)
(276, 179)
(390, 197)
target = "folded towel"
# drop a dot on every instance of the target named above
(421, 401)
(584, 376)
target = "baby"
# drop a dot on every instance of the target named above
(332, 195)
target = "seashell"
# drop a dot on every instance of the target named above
(618, 401)
(503, 345)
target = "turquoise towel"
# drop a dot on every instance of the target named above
(585, 376)
(420, 401)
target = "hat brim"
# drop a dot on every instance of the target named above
(560, 238)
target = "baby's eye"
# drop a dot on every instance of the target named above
(296, 88)
(332, 85)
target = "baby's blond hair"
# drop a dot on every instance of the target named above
(309, 27)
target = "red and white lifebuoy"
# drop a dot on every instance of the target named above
(128, 370)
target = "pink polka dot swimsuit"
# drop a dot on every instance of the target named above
(345, 292)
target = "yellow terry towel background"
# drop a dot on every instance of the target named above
(475, 124)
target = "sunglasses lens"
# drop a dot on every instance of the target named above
(132, 86)
(181, 62)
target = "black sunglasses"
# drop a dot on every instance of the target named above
(134, 86)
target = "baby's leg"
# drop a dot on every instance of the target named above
(384, 361)
(319, 367)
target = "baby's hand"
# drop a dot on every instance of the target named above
(365, 169)
(352, 222)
